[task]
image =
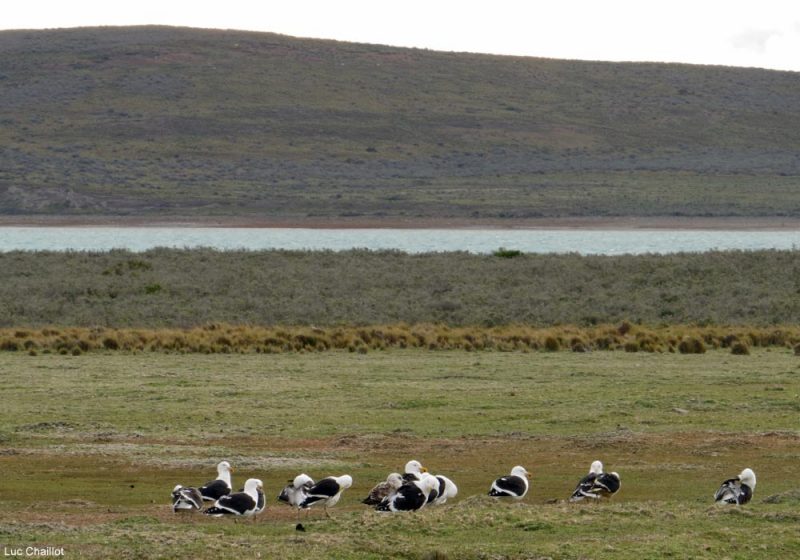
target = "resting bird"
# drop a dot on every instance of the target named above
(445, 489)
(413, 470)
(514, 485)
(327, 492)
(411, 496)
(737, 490)
(596, 484)
(296, 491)
(186, 499)
(241, 503)
(219, 487)
(383, 489)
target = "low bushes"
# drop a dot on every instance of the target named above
(226, 338)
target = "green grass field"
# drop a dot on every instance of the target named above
(91, 446)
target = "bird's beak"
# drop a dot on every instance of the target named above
(423, 469)
(231, 469)
(527, 475)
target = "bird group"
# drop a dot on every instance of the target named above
(413, 490)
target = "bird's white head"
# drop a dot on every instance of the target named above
(596, 468)
(302, 479)
(345, 481)
(415, 467)
(253, 485)
(224, 467)
(395, 480)
(748, 477)
(520, 472)
(177, 487)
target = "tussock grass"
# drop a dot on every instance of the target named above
(222, 338)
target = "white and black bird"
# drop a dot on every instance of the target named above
(297, 490)
(737, 490)
(241, 503)
(596, 484)
(221, 486)
(445, 490)
(411, 496)
(392, 483)
(413, 470)
(327, 492)
(514, 485)
(185, 498)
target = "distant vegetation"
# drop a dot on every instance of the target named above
(155, 122)
(169, 288)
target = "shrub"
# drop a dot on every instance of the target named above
(504, 253)
(740, 349)
(551, 344)
(691, 345)
(624, 328)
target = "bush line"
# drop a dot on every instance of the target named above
(226, 338)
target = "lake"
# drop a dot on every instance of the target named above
(606, 242)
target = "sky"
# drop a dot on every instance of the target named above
(763, 33)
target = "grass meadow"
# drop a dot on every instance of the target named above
(91, 446)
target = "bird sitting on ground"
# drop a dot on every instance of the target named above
(241, 503)
(186, 499)
(221, 486)
(596, 484)
(737, 490)
(514, 485)
(411, 496)
(445, 490)
(383, 489)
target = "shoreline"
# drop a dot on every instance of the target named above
(587, 223)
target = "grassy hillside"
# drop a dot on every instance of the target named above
(156, 121)
(92, 469)
(184, 288)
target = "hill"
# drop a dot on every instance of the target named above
(160, 122)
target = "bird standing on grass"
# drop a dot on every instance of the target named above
(241, 503)
(327, 492)
(737, 490)
(514, 485)
(221, 486)
(297, 490)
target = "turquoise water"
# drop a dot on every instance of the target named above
(606, 242)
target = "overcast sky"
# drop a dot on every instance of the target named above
(762, 33)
